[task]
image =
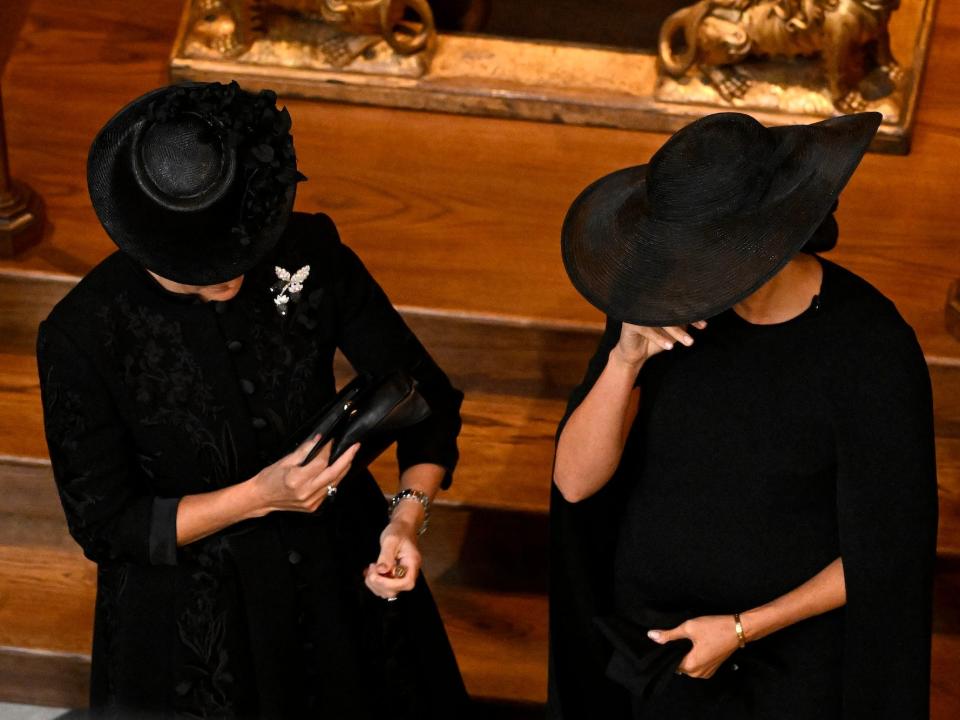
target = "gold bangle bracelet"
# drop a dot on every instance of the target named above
(741, 638)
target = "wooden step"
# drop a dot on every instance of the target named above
(499, 634)
(506, 447)
(46, 601)
(507, 440)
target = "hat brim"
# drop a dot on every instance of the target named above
(639, 269)
(189, 248)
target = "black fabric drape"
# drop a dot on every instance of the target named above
(758, 456)
(582, 545)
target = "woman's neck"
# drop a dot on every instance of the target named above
(786, 295)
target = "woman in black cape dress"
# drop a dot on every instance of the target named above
(760, 454)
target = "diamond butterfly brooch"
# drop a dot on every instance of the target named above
(288, 287)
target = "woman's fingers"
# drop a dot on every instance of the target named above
(700, 324)
(371, 580)
(665, 636)
(387, 586)
(319, 461)
(311, 484)
(658, 337)
(384, 577)
(679, 334)
(300, 454)
(318, 468)
(388, 554)
(392, 585)
(342, 466)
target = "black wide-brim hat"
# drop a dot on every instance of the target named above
(195, 181)
(717, 212)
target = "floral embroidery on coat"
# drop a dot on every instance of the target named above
(167, 384)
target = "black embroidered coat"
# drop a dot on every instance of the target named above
(150, 396)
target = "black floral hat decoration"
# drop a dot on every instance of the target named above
(195, 181)
(717, 212)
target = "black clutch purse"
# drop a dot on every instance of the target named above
(370, 411)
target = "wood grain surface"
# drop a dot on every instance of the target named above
(453, 212)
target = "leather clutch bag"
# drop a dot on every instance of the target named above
(369, 410)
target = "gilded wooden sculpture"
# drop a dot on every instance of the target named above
(849, 40)
(333, 34)
(786, 61)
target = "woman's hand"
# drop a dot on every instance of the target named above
(287, 486)
(638, 343)
(714, 639)
(398, 549)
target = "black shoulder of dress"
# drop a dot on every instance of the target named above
(860, 314)
(310, 239)
(853, 296)
(105, 281)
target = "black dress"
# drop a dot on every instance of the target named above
(149, 396)
(760, 455)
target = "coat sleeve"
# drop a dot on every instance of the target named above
(375, 339)
(582, 545)
(887, 513)
(109, 512)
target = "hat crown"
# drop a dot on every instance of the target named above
(195, 181)
(182, 163)
(714, 167)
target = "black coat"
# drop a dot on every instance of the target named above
(149, 396)
(759, 455)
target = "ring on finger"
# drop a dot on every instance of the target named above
(331, 491)
(399, 571)
(392, 599)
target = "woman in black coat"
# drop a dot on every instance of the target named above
(177, 378)
(745, 509)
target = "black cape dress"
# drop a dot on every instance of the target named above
(759, 455)
(150, 395)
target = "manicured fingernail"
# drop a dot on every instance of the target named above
(687, 340)
(654, 635)
(668, 346)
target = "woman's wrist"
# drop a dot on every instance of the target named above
(760, 622)
(252, 502)
(630, 366)
(409, 514)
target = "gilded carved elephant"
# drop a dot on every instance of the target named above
(850, 38)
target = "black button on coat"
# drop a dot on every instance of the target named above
(144, 403)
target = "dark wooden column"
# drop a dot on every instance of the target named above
(21, 210)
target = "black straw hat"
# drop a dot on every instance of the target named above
(195, 181)
(719, 210)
